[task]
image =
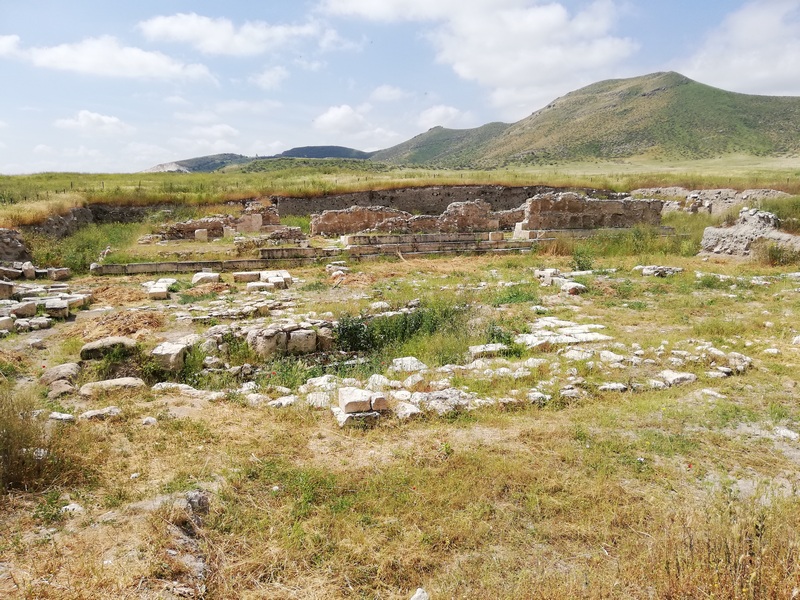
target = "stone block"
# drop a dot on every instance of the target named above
(105, 346)
(228, 232)
(111, 385)
(6, 323)
(200, 278)
(57, 309)
(379, 402)
(67, 371)
(59, 274)
(354, 400)
(6, 290)
(10, 273)
(246, 276)
(170, 356)
(201, 235)
(260, 286)
(302, 341)
(158, 292)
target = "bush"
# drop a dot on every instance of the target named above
(582, 259)
(776, 255)
(30, 457)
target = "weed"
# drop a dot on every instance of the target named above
(515, 294)
(582, 259)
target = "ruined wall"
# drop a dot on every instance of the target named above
(422, 200)
(572, 211)
(475, 215)
(12, 247)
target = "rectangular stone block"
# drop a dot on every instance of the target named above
(201, 235)
(354, 400)
(246, 276)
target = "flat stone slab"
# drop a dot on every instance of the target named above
(408, 364)
(183, 389)
(170, 356)
(110, 412)
(364, 419)
(105, 346)
(67, 371)
(111, 385)
(354, 400)
(675, 378)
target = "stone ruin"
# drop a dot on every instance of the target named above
(549, 211)
(569, 211)
(752, 225)
(256, 218)
(714, 202)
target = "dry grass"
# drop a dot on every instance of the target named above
(652, 494)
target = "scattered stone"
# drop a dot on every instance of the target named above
(149, 421)
(573, 288)
(57, 309)
(72, 509)
(62, 417)
(110, 412)
(420, 594)
(111, 385)
(487, 351)
(613, 387)
(59, 388)
(354, 400)
(365, 419)
(318, 400)
(405, 411)
(283, 402)
(659, 271)
(672, 378)
(408, 364)
(170, 356)
(183, 389)
(106, 346)
(772, 351)
(24, 310)
(788, 434)
(201, 278)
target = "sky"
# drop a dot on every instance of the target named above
(98, 86)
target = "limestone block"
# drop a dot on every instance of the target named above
(105, 346)
(486, 350)
(200, 278)
(6, 290)
(28, 270)
(408, 364)
(201, 235)
(675, 378)
(406, 410)
(354, 400)
(246, 276)
(364, 419)
(378, 401)
(302, 341)
(57, 309)
(59, 274)
(24, 309)
(158, 292)
(325, 339)
(110, 385)
(66, 371)
(260, 286)
(6, 323)
(170, 356)
(102, 414)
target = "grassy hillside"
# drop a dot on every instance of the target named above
(662, 116)
(440, 146)
(325, 152)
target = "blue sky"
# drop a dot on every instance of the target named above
(118, 87)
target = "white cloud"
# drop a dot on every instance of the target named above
(342, 119)
(525, 52)
(177, 101)
(201, 147)
(246, 106)
(9, 45)
(388, 93)
(310, 65)
(350, 125)
(446, 116)
(221, 36)
(105, 56)
(271, 78)
(218, 131)
(43, 149)
(202, 116)
(3, 124)
(756, 50)
(88, 122)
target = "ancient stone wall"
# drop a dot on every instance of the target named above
(475, 215)
(421, 200)
(12, 247)
(569, 210)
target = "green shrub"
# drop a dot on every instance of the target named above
(33, 456)
(776, 255)
(515, 294)
(582, 259)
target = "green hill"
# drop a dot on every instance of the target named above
(660, 115)
(325, 152)
(444, 147)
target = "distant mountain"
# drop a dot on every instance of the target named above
(325, 152)
(440, 146)
(201, 164)
(660, 115)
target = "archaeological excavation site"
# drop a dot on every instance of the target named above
(455, 391)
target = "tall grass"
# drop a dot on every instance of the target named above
(33, 456)
(79, 250)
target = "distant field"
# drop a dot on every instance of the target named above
(49, 193)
